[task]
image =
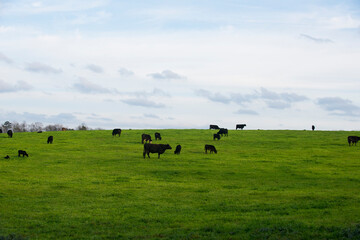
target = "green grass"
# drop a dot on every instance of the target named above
(260, 185)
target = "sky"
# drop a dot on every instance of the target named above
(157, 64)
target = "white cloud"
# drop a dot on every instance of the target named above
(41, 68)
(166, 75)
(19, 86)
(95, 68)
(5, 58)
(86, 86)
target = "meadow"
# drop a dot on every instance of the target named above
(273, 184)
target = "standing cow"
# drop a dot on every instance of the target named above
(223, 131)
(353, 140)
(155, 148)
(241, 126)
(50, 139)
(210, 148)
(10, 133)
(178, 149)
(23, 153)
(146, 138)
(157, 136)
(116, 131)
(212, 126)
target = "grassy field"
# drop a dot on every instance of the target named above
(260, 185)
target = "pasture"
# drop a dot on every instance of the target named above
(260, 185)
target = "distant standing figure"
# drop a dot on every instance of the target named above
(116, 131)
(50, 139)
(178, 149)
(313, 127)
(157, 136)
(23, 153)
(10, 133)
(0, 130)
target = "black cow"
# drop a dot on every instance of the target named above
(313, 127)
(157, 136)
(178, 149)
(146, 138)
(155, 148)
(10, 133)
(223, 131)
(7, 157)
(116, 131)
(0, 130)
(241, 126)
(23, 153)
(353, 140)
(214, 126)
(50, 139)
(216, 136)
(211, 148)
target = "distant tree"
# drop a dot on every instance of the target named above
(82, 127)
(19, 127)
(55, 127)
(36, 127)
(7, 126)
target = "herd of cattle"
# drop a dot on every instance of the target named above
(150, 147)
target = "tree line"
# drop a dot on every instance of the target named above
(37, 127)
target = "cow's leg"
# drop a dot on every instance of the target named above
(144, 153)
(158, 155)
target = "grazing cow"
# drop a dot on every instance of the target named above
(241, 126)
(7, 157)
(10, 133)
(211, 148)
(216, 136)
(155, 148)
(178, 149)
(223, 131)
(39, 132)
(313, 127)
(353, 140)
(157, 136)
(50, 139)
(214, 126)
(116, 131)
(145, 137)
(23, 153)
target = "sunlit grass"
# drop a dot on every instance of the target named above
(261, 184)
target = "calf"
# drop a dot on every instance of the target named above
(157, 136)
(7, 157)
(216, 136)
(10, 133)
(145, 137)
(116, 131)
(23, 153)
(50, 139)
(211, 148)
(353, 140)
(178, 149)
(223, 131)
(155, 148)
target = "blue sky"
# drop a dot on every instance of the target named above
(181, 64)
